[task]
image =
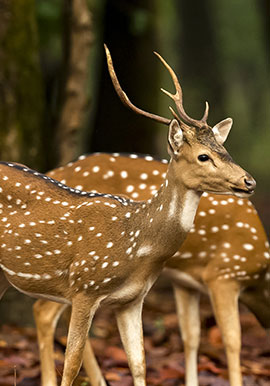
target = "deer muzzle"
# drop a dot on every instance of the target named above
(245, 187)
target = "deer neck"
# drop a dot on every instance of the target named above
(169, 215)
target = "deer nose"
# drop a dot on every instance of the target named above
(250, 183)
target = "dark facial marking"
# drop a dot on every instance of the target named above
(206, 137)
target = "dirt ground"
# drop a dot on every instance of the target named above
(19, 359)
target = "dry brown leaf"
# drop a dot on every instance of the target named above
(112, 376)
(170, 373)
(116, 353)
(214, 337)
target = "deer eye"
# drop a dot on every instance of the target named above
(203, 157)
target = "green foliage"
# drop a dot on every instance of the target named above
(140, 21)
(48, 14)
(244, 69)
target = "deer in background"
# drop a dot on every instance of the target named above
(227, 242)
(86, 249)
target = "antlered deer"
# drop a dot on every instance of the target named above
(84, 249)
(227, 240)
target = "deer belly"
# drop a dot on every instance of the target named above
(130, 290)
(184, 279)
(57, 299)
(39, 285)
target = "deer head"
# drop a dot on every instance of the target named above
(198, 158)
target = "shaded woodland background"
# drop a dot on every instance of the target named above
(219, 49)
(57, 101)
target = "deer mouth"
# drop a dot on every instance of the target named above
(243, 192)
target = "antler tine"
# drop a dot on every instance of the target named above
(176, 116)
(206, 111)
(124, 98)
(178, 98)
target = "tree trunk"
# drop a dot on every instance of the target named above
(78, 38)
(21, 93)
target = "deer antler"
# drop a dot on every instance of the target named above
(178, 99)
(122, 95)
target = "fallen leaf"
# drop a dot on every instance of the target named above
(116, 353)
(112, 376)
(170, 373)
(214, 336)
(210, 366)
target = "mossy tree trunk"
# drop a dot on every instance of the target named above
(21, 95)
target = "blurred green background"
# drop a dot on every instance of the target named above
(219, 49)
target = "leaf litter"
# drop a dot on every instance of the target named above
(19, 357)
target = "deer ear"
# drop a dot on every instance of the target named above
(221, 130)
(175, 138)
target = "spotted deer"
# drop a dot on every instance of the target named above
(226, 240)
(85, 249)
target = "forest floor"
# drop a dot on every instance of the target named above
(19, 359)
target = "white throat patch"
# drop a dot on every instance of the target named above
(173, 205)
(190, 205)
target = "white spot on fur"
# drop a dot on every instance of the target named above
(144, 176)
(123, 174)
(266, 255)
(144, 250)
(248, 247)
(202, 213)
(186, 255)
(130, 188)
(96, 169)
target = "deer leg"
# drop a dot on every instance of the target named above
(188, 312)
(129, 321)
(46, 315)
(257, 299)
(91, 366)
(4, 284)
(224, 299)
(83, 310)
